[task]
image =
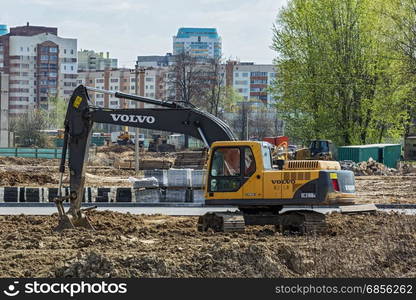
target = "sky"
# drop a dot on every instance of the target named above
(128, 28)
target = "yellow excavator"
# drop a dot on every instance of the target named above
(239, 173)
(318, 150)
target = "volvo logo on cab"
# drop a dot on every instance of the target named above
(133, 118)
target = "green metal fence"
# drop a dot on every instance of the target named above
(32, 152)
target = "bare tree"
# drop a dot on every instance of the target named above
(215, 88)
(186, 78)
(254, 120)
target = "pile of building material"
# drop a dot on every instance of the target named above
(190, 160)
(145, 163)
(407, 168)
(370, 167)
(146, 189)
(177, 185)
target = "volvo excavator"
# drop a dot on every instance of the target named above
(240, 173)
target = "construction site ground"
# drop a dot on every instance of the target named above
(125, 245)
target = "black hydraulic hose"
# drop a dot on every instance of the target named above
(64, 148)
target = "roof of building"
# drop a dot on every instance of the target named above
(370, 146)
(30, 30)
(186, 32)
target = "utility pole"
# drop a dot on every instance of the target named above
(136, 132)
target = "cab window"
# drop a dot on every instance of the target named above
(226, 162)
(230, 168)
(267, 157)
(249, 162)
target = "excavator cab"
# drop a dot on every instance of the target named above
(240, 173)
(322, 149)
(317, 150)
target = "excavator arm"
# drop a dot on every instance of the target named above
(82, 114)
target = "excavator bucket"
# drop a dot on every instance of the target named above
(72, 219)
(69, 222)
(64, 223)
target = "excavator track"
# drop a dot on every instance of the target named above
(302, 222)
(221, 221)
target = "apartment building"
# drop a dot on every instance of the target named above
(4, 110)
(89, 60)
(155, 61)
(250, 80)
(202, 43)
(149, 84)
(40, 65)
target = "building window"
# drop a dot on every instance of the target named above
(44, 57)
(53, 50)
(64, 51)
(72, 51)
(258, 74)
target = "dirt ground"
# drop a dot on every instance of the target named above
(126, 245)
(386, 189)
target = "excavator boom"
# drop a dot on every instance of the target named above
(82, 114)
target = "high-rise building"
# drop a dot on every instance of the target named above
(3, 29)
(40, 65)
(203, 43)
(89, 60)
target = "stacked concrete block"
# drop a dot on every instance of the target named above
(148, 195)
(160, 175)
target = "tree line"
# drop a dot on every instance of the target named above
(346, 69)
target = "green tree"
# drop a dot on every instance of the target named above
(28, 129)
(334, 74)
(56, 113)
(400, 32)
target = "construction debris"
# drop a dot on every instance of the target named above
(407, 168)
(370, 167)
